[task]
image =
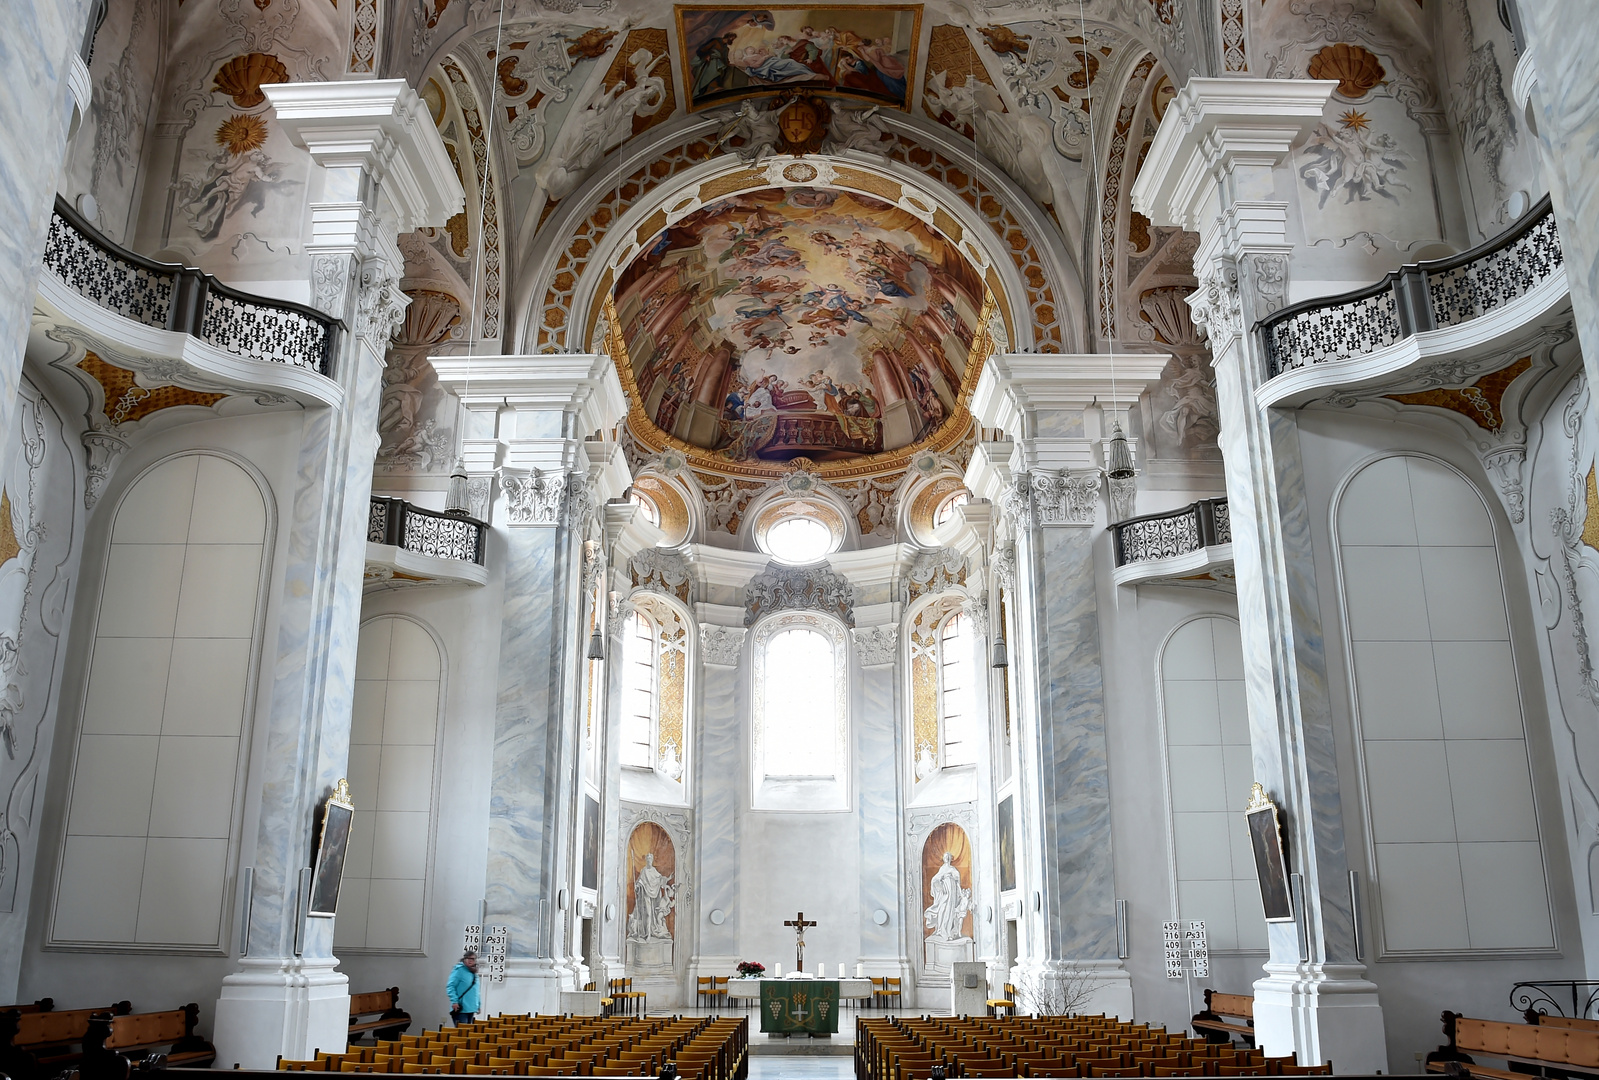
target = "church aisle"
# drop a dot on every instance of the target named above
(809, 1068)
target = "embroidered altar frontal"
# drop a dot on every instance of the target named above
(799, 1005)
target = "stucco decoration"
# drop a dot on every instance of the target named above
(782, 588)
(721, 645)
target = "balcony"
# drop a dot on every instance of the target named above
(179, 325)
(1189, 546)
(1472, 308)
(408, 545)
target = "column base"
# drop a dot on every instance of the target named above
(532, 985)
(281, 1006)
(1060, 987)
(1321, 1013)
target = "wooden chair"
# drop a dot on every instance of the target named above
(891, 991)
(703, 985)
(719, 989)
(1007, 1001)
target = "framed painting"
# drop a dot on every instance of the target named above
(1271, 856)
(731, 52)
(1007, 843)
(591, 842)
(332, 846)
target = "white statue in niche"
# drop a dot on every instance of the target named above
(950, 905)
(654, 894)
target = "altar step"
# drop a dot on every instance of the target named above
(840, 1045)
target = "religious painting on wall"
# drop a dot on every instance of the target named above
(790, 322)
(733, 52)
(947, 896)
(591, 842)
(332, 845)
(1007, 843)
(1271, 858)
(652, 888)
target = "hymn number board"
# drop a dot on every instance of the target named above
(1190, 938)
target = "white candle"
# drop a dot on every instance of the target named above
(860, 971)
(778, 971)
(821, 971)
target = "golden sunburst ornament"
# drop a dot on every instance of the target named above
(240, 133)
(1354, 121)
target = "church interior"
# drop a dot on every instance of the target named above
(1010, 528)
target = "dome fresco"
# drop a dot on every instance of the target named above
(799, 322)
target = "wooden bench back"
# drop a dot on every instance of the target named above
(147, 1029)
(47, 1028)
(1230, 1004)
(1569, 1022)
(373, 1002)
(1560, 1045)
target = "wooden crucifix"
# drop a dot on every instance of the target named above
(799, 923)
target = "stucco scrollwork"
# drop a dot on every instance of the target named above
(877, 646)
(782, 588)
(1268, 276)
(721, 645)
(1217, 307)
(933, 572)
(380, 310)
(662, 571)
(534, 499)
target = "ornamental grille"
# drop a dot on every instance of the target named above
(1493, 280)
(1160, 537)
(442, 537)
(1334, 332)
(121, 285)
(258, 331)
(377, 522)
(1224, 521)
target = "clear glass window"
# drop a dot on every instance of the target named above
(799, 540)
(957, 675)
(647, 507)
(638, 691)
(796, 716)
(946, 509)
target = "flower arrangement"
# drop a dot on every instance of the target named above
(750, 969)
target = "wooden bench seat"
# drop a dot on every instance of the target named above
(1214, 1023)
(42, 1005)
(378, 1013)
(1540, 1044)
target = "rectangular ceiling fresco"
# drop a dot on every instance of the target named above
(735, 52)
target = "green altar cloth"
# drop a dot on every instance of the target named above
(807, 1006)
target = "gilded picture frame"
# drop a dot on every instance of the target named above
(1271, 856)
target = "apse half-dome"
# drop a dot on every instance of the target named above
(799, 322)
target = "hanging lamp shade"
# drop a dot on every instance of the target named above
(455, 498)
(1118, 457)
(999, 654)
(596, 644)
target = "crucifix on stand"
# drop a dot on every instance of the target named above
(799, 923)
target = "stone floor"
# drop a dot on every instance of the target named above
(801, 1068)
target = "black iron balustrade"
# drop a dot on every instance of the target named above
(170, 296)
(1176, 532)
(397, 523)
(1415, 298)
(1547, 997)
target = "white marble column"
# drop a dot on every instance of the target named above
(1211, 170)
(530, 414)
(720, 785)
(39, 45)
(878, 754)
(384, 171)
(1050, 488)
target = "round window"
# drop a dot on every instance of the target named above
(799, 540)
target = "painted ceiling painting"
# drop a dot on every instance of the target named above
(799, 322)
(734, 52)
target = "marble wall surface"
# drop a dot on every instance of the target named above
(720, 754)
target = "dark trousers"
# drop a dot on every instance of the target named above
(459, 1018)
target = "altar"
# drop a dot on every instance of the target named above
(803, 1006)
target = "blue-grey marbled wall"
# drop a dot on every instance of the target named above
(721, 776)
(877, 793)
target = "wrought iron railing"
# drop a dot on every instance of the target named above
(1177, 532)
(397, 523)
(170, 296)
(1415, 298)
(1549, 997)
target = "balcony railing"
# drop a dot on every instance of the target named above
(170, 296)
(397, 523)
(1415, 298)
(1177, 532)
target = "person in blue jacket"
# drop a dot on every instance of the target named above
(462, 990)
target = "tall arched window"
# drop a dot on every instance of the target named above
(638, 692)
(957, 676)
(800, 724)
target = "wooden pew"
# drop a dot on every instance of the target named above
(35, 1043)
(1541, 1044)
(1562, 1021)
(173, 1030)
(1213, 1023)
(42, 1005)
(379, 1013)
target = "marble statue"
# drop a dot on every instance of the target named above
(654, 894)
(951, 903)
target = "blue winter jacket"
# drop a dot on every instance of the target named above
(462, 988)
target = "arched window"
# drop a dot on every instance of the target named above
(946, 509)
(957, 677)
(799, 668)
(638, 692)
(647, 507)
(800, 722)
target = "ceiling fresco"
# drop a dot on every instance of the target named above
(799, 322)
(733, 52)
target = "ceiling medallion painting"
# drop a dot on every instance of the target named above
(734, 52)
(802, 322)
